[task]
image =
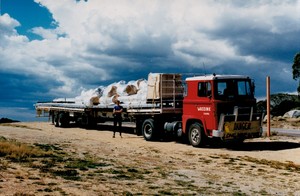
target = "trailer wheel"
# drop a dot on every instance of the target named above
(52, 117)
(148, 130)
(196, 135)
(92, 122)
(87, 121)
(62, 120)
(56, 120)
(139, 127)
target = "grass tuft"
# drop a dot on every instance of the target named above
(289, 165)
(69, 174)
(17, 151)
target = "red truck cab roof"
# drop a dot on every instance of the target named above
(215, 77)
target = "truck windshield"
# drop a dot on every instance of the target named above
(233, 89)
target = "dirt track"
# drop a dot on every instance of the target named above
(130, 165)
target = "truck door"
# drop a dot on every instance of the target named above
(204, 106)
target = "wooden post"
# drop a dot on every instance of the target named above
(268, 108)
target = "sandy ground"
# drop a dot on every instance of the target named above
(133, 166)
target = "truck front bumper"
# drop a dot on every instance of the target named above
(218, 133)
(231, 134)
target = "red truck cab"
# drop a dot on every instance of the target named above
(220, 106)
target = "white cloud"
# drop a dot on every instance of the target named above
(8, 24)
(48, 34)
(8, 33)
(100, 37)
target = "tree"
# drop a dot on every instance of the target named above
(296, 70)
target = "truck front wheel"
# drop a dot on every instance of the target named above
(148, 129)
(196, 136)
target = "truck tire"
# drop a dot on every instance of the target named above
(52, 117)
(148, 129)
(92, 122)
(138, 127)
(62, 120)
(196, 135)
(56, 120)
(88, 122)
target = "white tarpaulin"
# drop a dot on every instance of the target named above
(292, 114)
(132, 92)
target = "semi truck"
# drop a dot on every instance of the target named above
(197, 108)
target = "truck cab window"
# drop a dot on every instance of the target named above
(229, 91)
(221, 86)
(244, 88)
(233, 89)
(226, 89)
(204, 89)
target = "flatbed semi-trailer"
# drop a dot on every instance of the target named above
(199, 108)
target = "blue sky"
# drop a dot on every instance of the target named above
(58, 48)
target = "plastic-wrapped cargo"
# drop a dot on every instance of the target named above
(90, 97)
(136, 92)
(131, 93)
(131, 89)
(95, 100)
(164, 86)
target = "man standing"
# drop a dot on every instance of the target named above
(118, 109)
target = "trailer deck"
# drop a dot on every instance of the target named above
(166, 107)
